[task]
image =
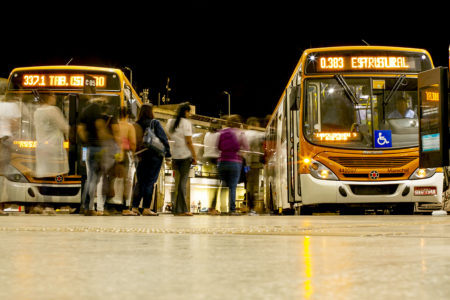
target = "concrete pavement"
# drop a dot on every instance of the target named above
(206, 257)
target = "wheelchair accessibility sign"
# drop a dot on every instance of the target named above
(383, 139)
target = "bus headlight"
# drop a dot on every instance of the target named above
(422, 173)
(12, 174)
(319, 171)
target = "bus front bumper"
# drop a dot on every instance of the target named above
(316, 191)
(11, 191)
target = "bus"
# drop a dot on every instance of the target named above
(344, 135)
(73, 87)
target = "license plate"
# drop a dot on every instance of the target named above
(425, 191)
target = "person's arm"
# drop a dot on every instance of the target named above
(82, 133)
(102, 130)
(187, 129)
(61, 122)
(159, 131)
(190, 146)
(132, 137)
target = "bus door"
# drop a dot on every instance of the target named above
(293, 145)
(74, 163)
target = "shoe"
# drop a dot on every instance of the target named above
(90, 213)
(127, 212)
(213, 212)
(185, 214)
(148, 212)
(235, 213)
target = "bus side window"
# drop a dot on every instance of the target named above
(311, 111)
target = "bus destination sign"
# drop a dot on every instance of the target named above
(62, 80)
(59, 80)
(367, 61)
(363, 62)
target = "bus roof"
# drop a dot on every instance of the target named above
(70, 67)
(384, 48)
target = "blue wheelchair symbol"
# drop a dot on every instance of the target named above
(383, 139)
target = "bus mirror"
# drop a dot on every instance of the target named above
(433, 118)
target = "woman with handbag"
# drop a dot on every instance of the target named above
(150, 161)
(180, 131)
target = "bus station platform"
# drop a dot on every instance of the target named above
(225, 257)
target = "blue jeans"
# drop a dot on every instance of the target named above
(94, 173)
(229, 172)
(147, 174)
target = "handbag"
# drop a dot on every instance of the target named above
(151, 141)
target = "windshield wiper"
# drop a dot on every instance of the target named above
(396, 86)
(350, 95)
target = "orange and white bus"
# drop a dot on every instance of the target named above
(344, 134)
(67, 83)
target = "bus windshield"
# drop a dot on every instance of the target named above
(28, 104)
(361, 113)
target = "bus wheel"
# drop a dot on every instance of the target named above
(305, 210)
(404, 209)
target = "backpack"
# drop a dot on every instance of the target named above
(151, 141)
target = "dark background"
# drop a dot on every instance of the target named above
(210, 47)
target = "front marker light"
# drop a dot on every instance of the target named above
(320, 171)
(422, 173)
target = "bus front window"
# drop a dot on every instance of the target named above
(336, 117)
(345, 113)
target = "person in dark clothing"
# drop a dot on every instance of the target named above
(150, 162)
(93, 131)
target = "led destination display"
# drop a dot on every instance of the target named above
(367, 61)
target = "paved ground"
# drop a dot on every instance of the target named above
(203, 257)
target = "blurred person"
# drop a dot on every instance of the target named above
(211, 154)
(127, 140)
(9, 125)
(150, 162)
(402, 110)
(51, 129)
(93, 131)
(180, 131)
(110, 155)
(231, 141)
(254, 161)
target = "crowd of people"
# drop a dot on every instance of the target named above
(114, 149)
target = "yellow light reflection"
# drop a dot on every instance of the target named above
(307, 262)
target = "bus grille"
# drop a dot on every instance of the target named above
(372, 190)
(58, 191)
(372, 162)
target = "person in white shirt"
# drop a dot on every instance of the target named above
(9, 125)
(183, 155)
(402, 111)
(51, 128)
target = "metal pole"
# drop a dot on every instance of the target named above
(229, 102)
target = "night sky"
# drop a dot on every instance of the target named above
(207, 47)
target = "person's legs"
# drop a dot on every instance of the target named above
(94, 173)
(152, 176)
(181, 167)
(229, 173)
